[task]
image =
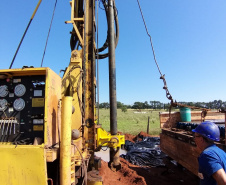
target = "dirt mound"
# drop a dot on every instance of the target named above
(138, 137)
(130, 137)
(122, 177)
(170, 174)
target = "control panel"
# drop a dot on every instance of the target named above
(22, 104)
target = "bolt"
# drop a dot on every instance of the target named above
(74, 53)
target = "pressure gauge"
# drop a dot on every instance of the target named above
(3, 104)
(20, 90)
(19, 104)
(3, 90)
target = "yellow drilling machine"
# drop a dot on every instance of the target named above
(49, 129)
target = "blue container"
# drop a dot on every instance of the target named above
(185, 114)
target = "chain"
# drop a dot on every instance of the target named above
(168, 95)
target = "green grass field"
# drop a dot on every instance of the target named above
(132, 121)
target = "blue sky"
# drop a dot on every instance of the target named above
(189, 39)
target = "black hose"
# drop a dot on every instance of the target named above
(74, 40)
(105, 45)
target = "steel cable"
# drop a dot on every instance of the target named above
(149, 37)
(25, 32)
(49, 32)
(168, 95)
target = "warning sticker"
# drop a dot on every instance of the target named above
(16, 80)
(37, 92)
(37, 127)
(38, 102)
(38, 121)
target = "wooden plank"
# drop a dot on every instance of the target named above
(179, 134)
(180, 146)
(195, 117)
(165, 122)
(184, 153)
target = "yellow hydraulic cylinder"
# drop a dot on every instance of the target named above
(65, 143)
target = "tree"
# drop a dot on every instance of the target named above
(146, 105)
(216, 104)
(155, 104)
(166, 106)
(119, 105)
(137, 105)
(104, 105)
(124, 109)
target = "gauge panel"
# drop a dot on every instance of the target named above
(19, 90)
(3, 91)
(19, 104)
(3, 104)
(16, 97)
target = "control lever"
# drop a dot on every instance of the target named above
(3, 128)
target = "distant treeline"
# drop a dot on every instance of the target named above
(216, 104)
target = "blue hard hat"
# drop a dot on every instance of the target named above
(209, 130)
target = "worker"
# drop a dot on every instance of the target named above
(212, 160)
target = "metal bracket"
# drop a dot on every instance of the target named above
(106, 139)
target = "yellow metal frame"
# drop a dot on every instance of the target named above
(52, 96)
(106, 139)
(23, 165)
(27, 164)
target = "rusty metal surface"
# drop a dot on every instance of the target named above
(93, 176)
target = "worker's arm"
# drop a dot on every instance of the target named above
(220, 177)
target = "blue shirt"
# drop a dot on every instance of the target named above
(211, 160)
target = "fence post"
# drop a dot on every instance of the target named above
(148, 125)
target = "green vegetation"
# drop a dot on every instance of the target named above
(132, 121)
(216, 104)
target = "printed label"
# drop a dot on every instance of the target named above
(37, 127)
(38, 121)
(38, 102)
(37, 92)
(16, 80)
(11, 95)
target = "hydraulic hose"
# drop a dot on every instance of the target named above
(74, 41)
(106, 45)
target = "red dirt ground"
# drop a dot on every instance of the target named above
(131, 174)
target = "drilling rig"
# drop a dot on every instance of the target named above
(49, 129)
